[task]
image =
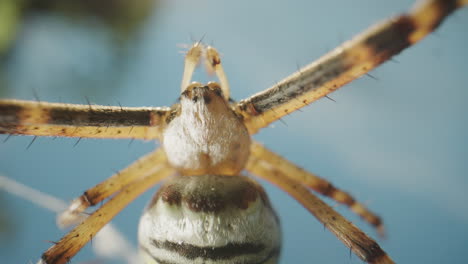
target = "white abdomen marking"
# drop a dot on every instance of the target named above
(210, 219)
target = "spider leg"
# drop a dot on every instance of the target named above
(345, 63)
(192, 58)
(72, 242)
(316, 183)
(111, 185)
(361, 244)
(109, 235)
(213, 64)
(88, 121)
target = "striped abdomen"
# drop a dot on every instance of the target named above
(211, 220)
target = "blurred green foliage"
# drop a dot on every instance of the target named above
(9, 20)
(122, 19)
(122, 16)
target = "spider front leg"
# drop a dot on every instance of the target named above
(345, 63)
(361, 244)
(72, 242)
(18, 117)
(111, 185)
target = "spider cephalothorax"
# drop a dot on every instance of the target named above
(206, 136)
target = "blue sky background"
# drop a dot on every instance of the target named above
(398, 143)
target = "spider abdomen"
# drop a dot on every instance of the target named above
(210, 219)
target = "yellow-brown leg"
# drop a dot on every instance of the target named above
(361, 244)
(115, 183)
(345, 63)
(192, 58)
(320, 185)
(72, 242)
(35, 118)
(213, 64)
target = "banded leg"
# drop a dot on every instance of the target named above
(72, 242)
(314, 182)
(121, 247)
(108, 187)
(361, 244)
(345, 63)
(88, 121)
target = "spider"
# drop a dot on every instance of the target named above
(255, 116)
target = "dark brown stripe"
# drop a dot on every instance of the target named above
(9, 114)
(100, 117)
(239, 193)
(329, 70)
(373, 252)
(394, 37)
(274, 253)
(391, 39)
(169, 194)
(212, 203)
(55, 258)
(445, 8)
(212, 194)
(229, 251)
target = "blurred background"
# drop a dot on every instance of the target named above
(396, 142)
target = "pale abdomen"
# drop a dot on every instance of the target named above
(210, 219)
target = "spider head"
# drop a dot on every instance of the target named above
(206, 94)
